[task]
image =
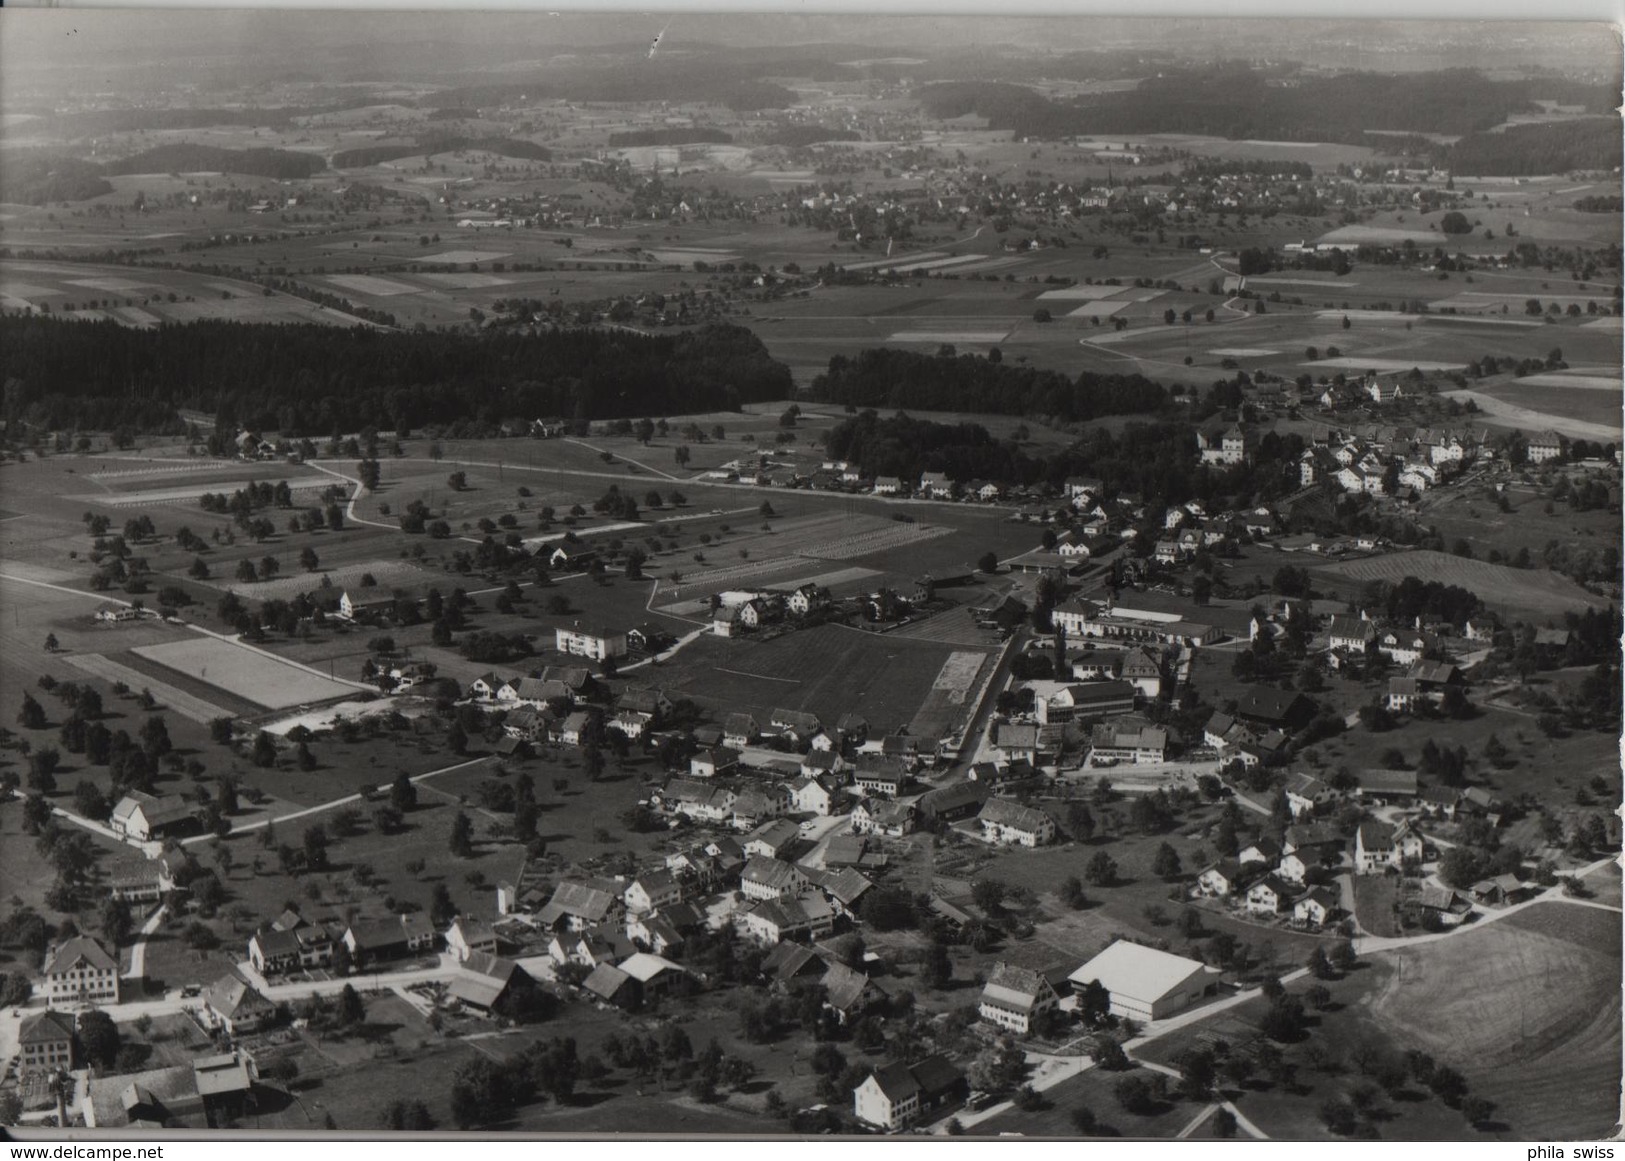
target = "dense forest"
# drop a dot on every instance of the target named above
(669, 137)
(184, 157)
(366, 155)
(313, 380)
(1554, 147)
(1231, 100)
(883, 377)
(798, 136)
(35, 178)
(1154, 461)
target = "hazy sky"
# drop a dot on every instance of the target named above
(329, 44)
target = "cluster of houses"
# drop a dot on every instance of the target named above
(1383, 462)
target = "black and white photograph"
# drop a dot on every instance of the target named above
(794, 574)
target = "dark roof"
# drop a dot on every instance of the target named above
(46, 1027)
(896, 1081)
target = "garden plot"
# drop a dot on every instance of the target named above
(370, 284)
(253, 676)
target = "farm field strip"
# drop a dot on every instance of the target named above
(1578, 382)
(877, 263)
(169, 696)
(388, 574)
(1088, 293)
(1243, 352)
(1352, 362)
(1529, 418)
(877, 541)
(948, 336)
(182, 493)
(257, 677)
(1100, 308)
(1484, 320)
(1324, 283)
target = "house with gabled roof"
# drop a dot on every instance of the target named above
(1015, 997)
(144, 817)
(769, 921)
(232, 1005)
(716, 762)
(486, 982)
(848, 993)
(1305, 793)
(758, 804)
(79, 971)
(1268, 896)
(740, 730)
(1374, 848)
(1221, 879)
(579, 904)
(466, 935)
(896, 1095)
(772, 839)
(883, 817)
(45, 1043)
(1004, 821)
(797, 726)
(770, 878)
(1317, 908)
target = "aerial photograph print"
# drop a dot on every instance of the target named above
(746, 575)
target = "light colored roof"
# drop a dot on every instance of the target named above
(644, 967)
(1137, 972)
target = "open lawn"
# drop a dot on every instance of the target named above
(1093, 1090)
(1550, 1058)
(1495, 584)
(829, 670)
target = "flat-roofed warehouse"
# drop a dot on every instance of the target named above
(1144, 983)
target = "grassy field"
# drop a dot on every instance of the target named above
(1497, 585)
(1091, 1090)
(827, 671)
(1551, 1058)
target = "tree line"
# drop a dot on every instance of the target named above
(882, 377)
(1232, 100)
(308, 379)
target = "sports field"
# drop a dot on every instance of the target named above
(1528, 1007)
(254, 676)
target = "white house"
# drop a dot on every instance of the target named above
(80, 972)
(1014, 997)
(1004, 820)
(590, 641)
